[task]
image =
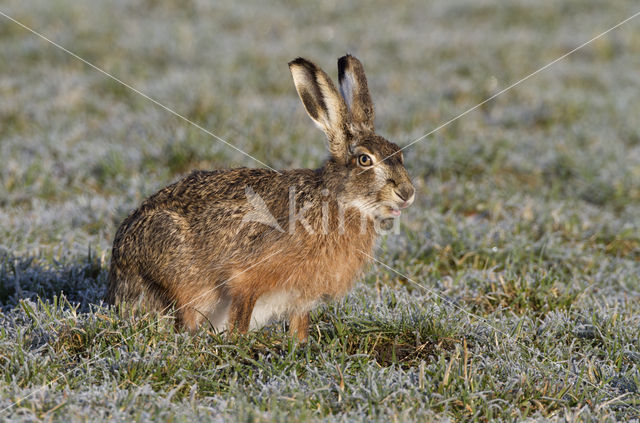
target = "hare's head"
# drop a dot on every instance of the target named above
(376, 180)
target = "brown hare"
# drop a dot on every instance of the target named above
(237, 247)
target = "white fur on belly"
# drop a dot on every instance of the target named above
(269, 306)
(218, 315)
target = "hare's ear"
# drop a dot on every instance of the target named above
(323, 104)
(354, 90)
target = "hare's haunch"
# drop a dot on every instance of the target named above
(237, 247)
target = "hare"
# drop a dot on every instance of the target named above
(238, 247)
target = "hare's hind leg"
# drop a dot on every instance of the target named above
(299, 325)
(241, 311)
(138, 294)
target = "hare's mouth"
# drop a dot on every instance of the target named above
(390, 212)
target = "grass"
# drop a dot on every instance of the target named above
(515, 290)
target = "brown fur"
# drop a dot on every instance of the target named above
(187, 246)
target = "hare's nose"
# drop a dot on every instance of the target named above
(407, 193)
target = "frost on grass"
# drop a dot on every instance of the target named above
(517, 289)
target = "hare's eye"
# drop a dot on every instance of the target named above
(364, 160)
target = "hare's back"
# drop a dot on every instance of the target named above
(215, 212)
(201, 188)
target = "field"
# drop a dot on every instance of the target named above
(510, 292)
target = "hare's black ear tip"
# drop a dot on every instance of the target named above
(343, 65)
(348, 60)
(345, 59)
(295, 61)
(299, 61)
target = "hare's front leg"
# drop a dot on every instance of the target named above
(240, 314)
(299, 325)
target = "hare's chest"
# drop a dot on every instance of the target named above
(340, 266)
